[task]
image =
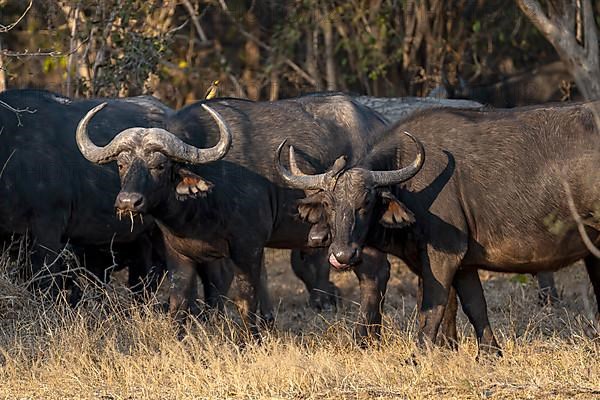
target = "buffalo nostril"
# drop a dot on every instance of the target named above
(138, 202)
(130, 201)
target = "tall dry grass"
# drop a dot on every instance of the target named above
(112, 348)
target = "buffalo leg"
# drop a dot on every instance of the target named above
(249, 279)
(448, 335)
(182, 276)
(472, 299)
(265, 303)
(373, 275)
(548, 293)
(437, 271)
(140, 277)
(216, 277)
(157, 268)
(312, 267)
(146, 263)
(46, 262)
(592, 264)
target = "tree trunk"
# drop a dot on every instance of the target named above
(329, 52)
(580, 54)
(252, 58)
(2, 71)
(587, 78)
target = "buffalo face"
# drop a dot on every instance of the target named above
(150, 163)
(350, 202)
(349, 210)
(146, 179)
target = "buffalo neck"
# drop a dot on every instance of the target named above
(192, 217)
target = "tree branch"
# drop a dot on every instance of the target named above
(6, 28)
(73, 56)
(533, 10)
(590, 32)
(41, 53)
(581, 58)
(17, 111)
(579, 221)
(265, 46)
(190, 9)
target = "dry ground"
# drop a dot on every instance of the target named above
(112, 349)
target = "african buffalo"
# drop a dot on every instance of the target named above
(49, 191)
(490, 196)
(208, 208)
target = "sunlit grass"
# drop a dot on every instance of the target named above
(112, 348)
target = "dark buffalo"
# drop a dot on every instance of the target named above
(49, 191)
(209, 209)
(490, 196)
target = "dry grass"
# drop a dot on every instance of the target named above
(112, 349)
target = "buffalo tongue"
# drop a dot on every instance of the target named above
(336, 264)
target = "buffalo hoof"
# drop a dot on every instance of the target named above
(367, 336)
(447, 343)
(324, 301)
(548, 297)
(488, 353)
(267, 322)
(75, 297)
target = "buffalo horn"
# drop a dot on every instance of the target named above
(97, 154)
(298, 179)
(180, 151)
(386, 178)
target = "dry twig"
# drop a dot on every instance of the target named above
(579, 221)
(17, 111)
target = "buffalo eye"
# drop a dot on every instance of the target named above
(120, 166)
(159, 167)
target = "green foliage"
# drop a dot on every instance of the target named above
(521, 279)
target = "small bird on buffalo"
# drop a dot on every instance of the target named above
(212, 90)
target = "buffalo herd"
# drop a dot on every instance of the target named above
(200, 192)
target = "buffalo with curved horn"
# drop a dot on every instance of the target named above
(483, 200)
(151, 139)
(56, 198)
(299, 180)
(336, 181)
(236, 206)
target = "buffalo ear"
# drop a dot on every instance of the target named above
(310, 209)
(396, 214)
(191, 186)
